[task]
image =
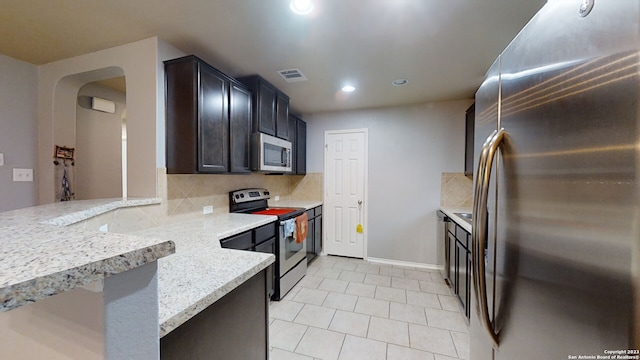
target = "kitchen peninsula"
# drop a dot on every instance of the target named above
(117, 294)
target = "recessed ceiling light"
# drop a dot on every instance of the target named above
(348, 88)
(301, 7)
(400, 82)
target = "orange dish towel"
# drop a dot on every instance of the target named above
(302, 224)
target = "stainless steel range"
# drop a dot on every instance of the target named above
(291, 253)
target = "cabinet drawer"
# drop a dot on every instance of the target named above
(462, 235)
(451, 227)
(264, 232)
(240, 242)
(318, 210)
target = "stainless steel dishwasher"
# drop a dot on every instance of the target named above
(444, 257)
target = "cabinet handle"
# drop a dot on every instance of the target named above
(479, 230)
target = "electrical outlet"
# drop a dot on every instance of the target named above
(1, 159)
(207, 210)
(104, 228)
(22, 174)
(276, 198)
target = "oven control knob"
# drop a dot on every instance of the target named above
(237, 196)
(266, 193)
(242, 196)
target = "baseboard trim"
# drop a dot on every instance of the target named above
(405, 263)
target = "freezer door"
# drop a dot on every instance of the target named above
(567, 208)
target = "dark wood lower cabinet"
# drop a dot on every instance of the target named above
(460, 264)
(314, 234)
(234, 327)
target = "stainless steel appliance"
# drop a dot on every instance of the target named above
(291, 249)
(270, 154)
(556, 235)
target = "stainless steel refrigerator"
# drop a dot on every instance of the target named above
(556, 237)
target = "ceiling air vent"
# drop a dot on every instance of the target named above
(292, 75)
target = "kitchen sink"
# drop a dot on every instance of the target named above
(468, 217)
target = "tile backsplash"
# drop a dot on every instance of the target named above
(184, 195)
(456, 191)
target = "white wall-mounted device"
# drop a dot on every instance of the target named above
(103, 105)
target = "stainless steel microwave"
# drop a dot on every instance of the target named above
(270, 154)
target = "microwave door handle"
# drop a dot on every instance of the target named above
(285, 157)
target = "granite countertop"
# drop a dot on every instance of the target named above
(201, 272)
(451, 212)
(41, 257)
(306, 204)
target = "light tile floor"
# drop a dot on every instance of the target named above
(349, 309)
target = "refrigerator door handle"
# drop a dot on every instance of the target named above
(479, 230)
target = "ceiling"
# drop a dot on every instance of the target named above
(443, 47)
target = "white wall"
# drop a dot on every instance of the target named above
(58, 85)
(409, 148)
(18, 131)
(98, 165)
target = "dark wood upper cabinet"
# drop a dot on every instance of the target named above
(266, 106)
(298, 138)
(282, 116)
(208, 118)
(468, 140)
(301, 147)
(270, 105)
(293, 123)
(213, 121)
(240, 128)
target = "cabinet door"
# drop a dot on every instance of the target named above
(282, 116)
(301, 147)
(318, 235)
(213, 122)
(469, 280)
(453, 268)
(266, 109)
(269, 247)
(239, 128)
(181, 114)
(463, 272)
(293, 123)
(311, 235)
(468, 140)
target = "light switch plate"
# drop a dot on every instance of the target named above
(207, 209)
(1, 159)
(22, 174)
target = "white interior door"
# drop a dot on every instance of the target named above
(345, 200)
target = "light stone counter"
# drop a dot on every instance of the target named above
(201, 272)
(41, 257)
(457, 219)
(69, 212)
(306, 204)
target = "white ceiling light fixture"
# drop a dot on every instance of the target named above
(348, 88)
(301, 7)
(400, 82)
